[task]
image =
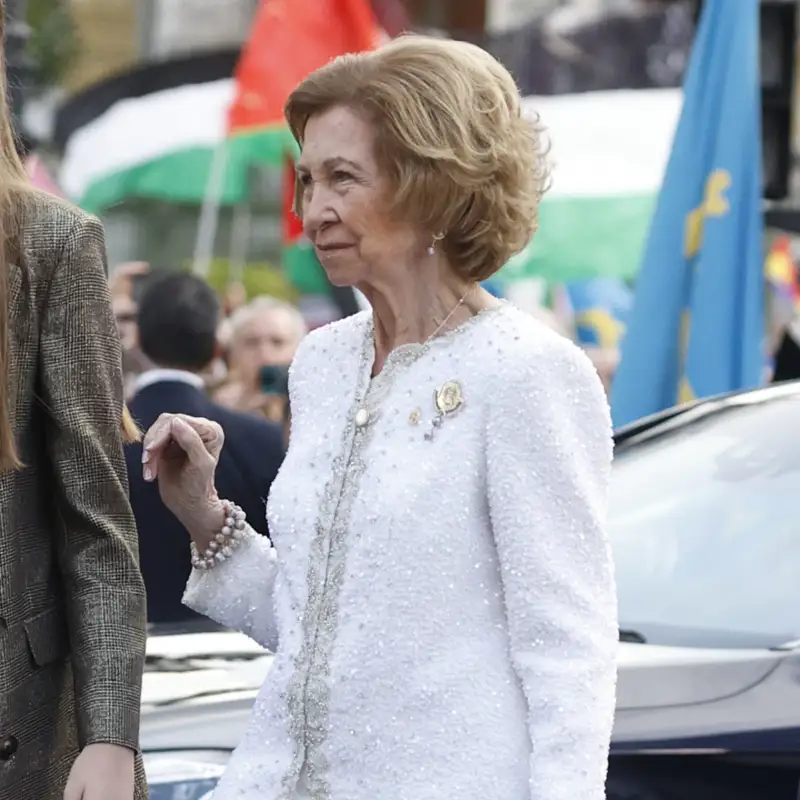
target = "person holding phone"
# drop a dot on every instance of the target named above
(263, 337)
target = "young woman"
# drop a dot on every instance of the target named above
(72, 606)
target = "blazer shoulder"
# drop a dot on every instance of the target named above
(524, 362)
(326, 345)
(48, 222)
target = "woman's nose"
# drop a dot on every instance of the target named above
(317, 210)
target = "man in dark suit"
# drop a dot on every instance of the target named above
(178, 320)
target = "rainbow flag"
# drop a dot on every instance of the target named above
(781, 271)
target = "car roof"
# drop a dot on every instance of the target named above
(678, 416)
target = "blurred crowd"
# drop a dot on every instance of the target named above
(255, 343)
(187, 350)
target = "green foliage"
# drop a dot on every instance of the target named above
(258, 279)
(53, 43)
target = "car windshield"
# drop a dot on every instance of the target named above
(705, 528)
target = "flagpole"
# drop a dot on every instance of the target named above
(240, 239)
(208, 220)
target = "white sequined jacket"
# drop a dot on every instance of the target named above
(441, 595)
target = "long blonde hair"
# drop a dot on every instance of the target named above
(14, 187)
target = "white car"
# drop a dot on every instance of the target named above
(705, 526)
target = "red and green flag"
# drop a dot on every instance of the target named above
(289, 40)
(300, 263)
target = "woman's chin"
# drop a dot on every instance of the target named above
(342, 266)
(339, 275)
(340, 281)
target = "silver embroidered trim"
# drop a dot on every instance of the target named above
(309, 688)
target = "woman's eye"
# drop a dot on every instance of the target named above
(305, 179)
(341, 175)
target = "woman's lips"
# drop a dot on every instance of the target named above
(327, 248)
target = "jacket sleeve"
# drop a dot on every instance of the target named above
(548, 464)
(81, 386)
(238, 593)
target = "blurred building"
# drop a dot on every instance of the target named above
(117, 34)
(464, 16)
(108, 32)
(132, 48)
(170, 28)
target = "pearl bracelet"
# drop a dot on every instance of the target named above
(221, 547)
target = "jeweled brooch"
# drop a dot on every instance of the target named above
(448, 400)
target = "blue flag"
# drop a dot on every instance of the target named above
(696, 327)
(600, 307)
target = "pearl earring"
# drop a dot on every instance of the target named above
(437, 237)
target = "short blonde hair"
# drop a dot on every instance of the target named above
(450, 134)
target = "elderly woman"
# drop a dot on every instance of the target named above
(440, 595)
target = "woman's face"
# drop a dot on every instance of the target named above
(345, 202)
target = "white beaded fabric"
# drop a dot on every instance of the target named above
(443, 605)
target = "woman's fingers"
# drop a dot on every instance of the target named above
(198, 438)
(157, 436)
(209, 432)
(156, 440)
(189, 439)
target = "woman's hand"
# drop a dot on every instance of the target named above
(181, 453)
(101, 772)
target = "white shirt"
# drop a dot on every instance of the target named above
(441, 595)
(159, 375)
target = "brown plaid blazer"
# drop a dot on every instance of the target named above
(72, 602)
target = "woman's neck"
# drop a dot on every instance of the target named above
(412, 311)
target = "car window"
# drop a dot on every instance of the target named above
(705, 528)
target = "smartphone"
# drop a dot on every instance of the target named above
(274, 380)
